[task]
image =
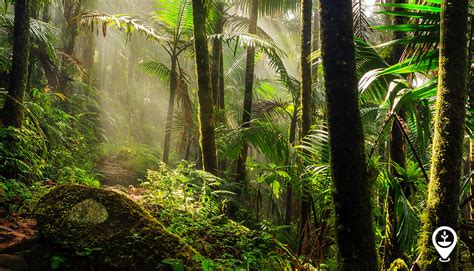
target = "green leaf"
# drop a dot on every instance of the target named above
(276, 188)
(408, 27)
(412, 7)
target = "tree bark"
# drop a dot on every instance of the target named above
(246, 116)
(316, 43)
(216, 57)
(305, 93)
(13, 111)
(397, 155)
(289, 186)
(444, 187)
(222, 116)
(354, 226)
(206, 109)
(217, 76)
(169, 115)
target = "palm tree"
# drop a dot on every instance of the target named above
(306, 87)
(397, 156)
(13, 112)
(354, 233)
(206, 105)
(173, 31)
(249, 78)
(444, 186)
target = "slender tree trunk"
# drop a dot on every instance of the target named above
(216, 57)
(397, 155)
(222, 116)
(471, 168)
(289, 186)
(354, 226)
(221, 87)
(169, 116)
(71, 10)
(316, 32)
(444, 187)
(217, 76)
(206, 110)
(305, 93)
(13, 111)
(249, 78)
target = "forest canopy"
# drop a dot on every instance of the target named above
(236, 135)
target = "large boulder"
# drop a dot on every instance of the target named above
(120, 234)
(12, 263)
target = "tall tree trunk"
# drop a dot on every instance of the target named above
(169, 116)
(354, 226)
(217, 75)
(206, 108)
(13, 111)
(72, 9)
(305, 93)
(222, 116)
(240, 173)
(316, 32)
(289, 185)
(216, 56)
(397, 155)
(444, 187)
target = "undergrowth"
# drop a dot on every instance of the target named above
(190, 203)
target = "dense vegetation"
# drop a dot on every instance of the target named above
(264, 135)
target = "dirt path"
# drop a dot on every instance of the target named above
(114, 174)
(114, 171)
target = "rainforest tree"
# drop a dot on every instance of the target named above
(397, 155)
(355, 232)
(240, 174)
(13, 110)
(444, 187)
(306, 111)
(206, 109)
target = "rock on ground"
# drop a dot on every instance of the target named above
(12, 263)
(108, 227)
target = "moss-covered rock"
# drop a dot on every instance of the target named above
(398, 265)
(119, 233)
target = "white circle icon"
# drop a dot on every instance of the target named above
(444, 240)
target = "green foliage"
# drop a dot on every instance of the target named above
(398, 265)
(52, 147)
(190, 203)
(139, 158)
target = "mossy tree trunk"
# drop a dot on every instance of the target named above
(217, 75)
(354, 226)
(316, 37)
(169, 116)
(289, 185)
(206, 110)
(444, 187)
(397, 156)
(216, 56)
(306, 102)
(240, 173)
(13, 111)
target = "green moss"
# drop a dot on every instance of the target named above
(128, 236)
(398, 265)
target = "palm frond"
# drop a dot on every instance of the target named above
(121, 22)
(156, 69)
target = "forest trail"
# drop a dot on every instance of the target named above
(113, 171)
(113, 174)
